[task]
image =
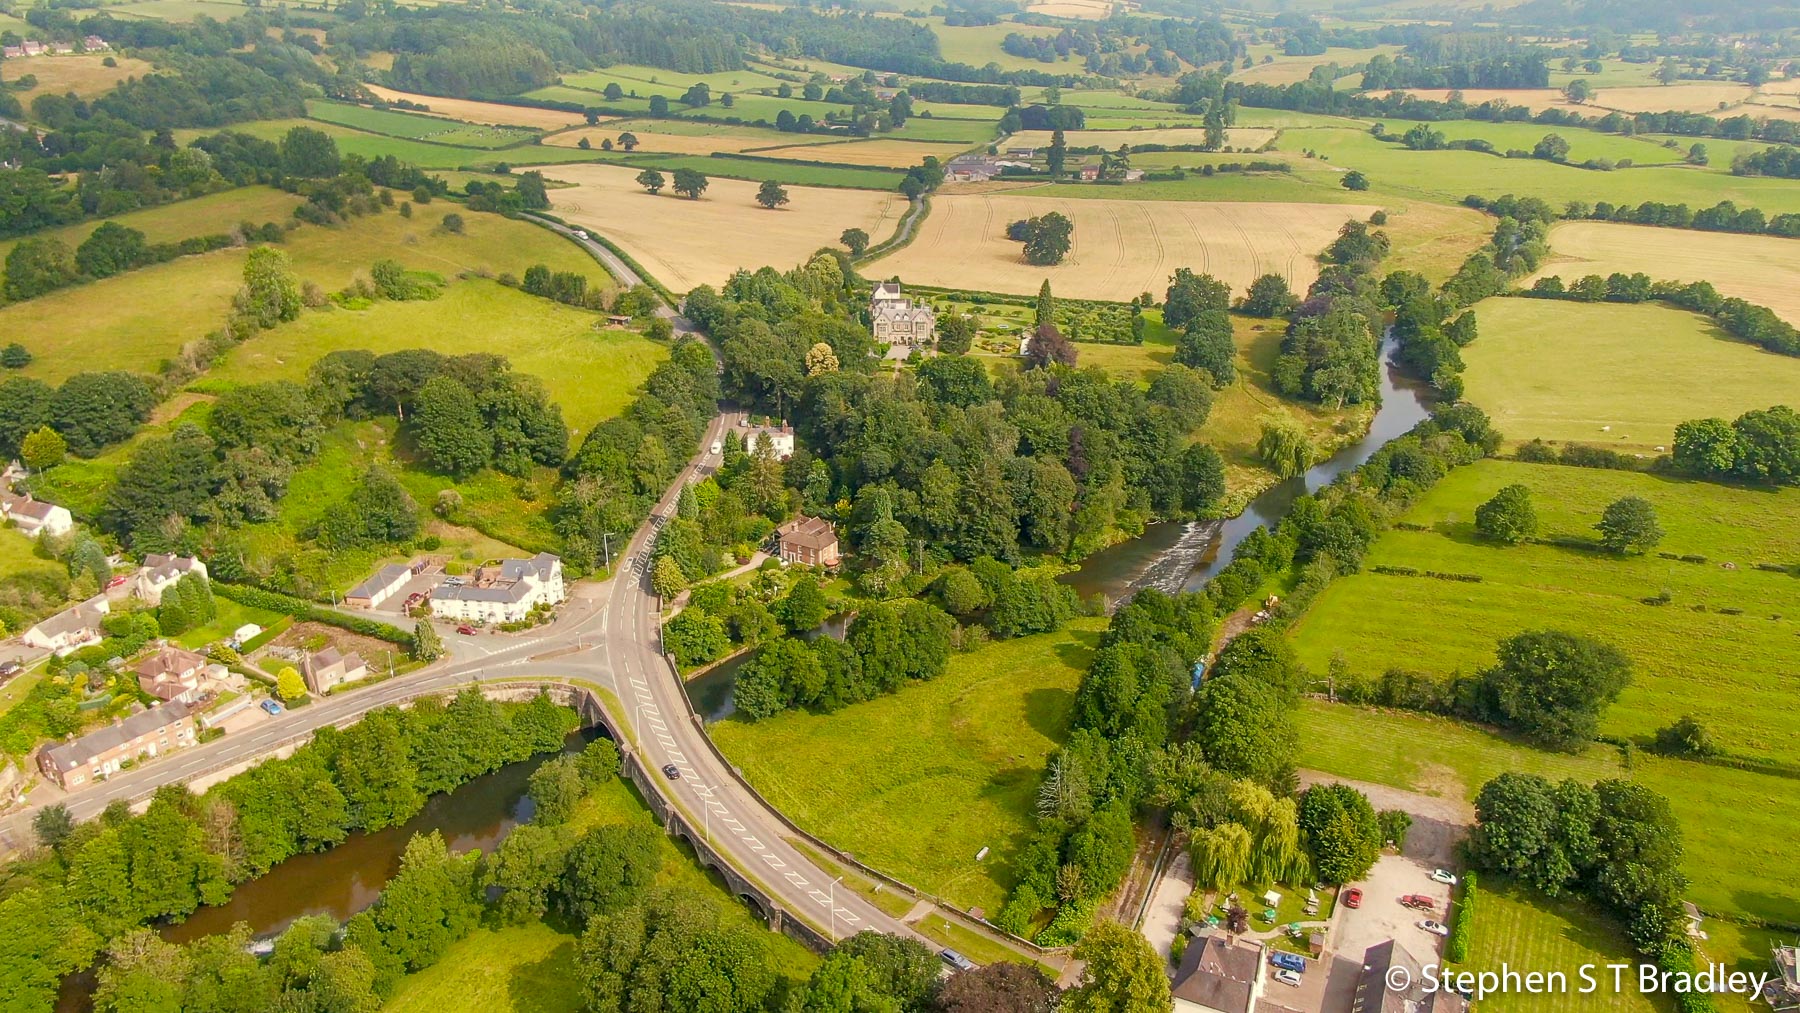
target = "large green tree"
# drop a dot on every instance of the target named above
(1508, 517)
(1552, 686)
(448, 424)
(1121, 973)
(1629, 524)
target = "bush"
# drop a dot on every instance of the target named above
(1461, 922)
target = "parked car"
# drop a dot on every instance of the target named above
(1288, 961)
(1441, 876)
(1435, 928)
(271, 707)
(117, 581)
(1353, 897)
(1287, 977)
(1418, 902)
(467, 631)
(671, 772)
(10, 669)
(956, 960)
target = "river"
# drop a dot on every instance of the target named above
(1182, 556)
(346, 879)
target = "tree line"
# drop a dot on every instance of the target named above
(1724, 216)
(90, 884)
(1330, 353)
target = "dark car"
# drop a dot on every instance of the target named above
(467, 631)
(1418, 902)
(1289, 961)
(671, 772)
(1353, 897)
(956, 960)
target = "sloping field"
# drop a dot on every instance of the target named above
(896, 154)
(684, 243)
(1089, 10)
(471, 111)
(1761, 269)
(1236, 137)
(1692, 97)
(1567, 371)
(85, 74)
(716, 137)
(1121, 247)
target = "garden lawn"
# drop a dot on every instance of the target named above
(590, 372)
(1691, 656)
(1737, 826)
(1519, 928)
(531, 968)
(1613, 375)
(230, 617)
(915, 784)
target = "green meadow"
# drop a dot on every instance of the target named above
(412, 126)
(198, 216)
(752, 168)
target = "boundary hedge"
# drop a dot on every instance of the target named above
(305, 611)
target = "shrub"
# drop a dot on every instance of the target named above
(1461, 922)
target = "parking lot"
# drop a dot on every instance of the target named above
(1382, 917)
(421, 584)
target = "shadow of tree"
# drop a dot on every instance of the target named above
(550, 985)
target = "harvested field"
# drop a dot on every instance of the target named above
(1761, 269)
(1691, 98)
(81, 73)
(471, 111)
(687, 142)
(1535, 99)
(684, 243)
(1121, 247)
(1087, 10)
(896, 154)
(1237, 137)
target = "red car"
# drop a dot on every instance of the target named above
(1353, 897)
(1418, 902)
(467, 631)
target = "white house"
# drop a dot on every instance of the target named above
(781, 440)
(160, 572)
(505, 593)
(71, 629)
(897, 320)
(34, 517)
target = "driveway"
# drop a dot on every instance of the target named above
(1163, 917)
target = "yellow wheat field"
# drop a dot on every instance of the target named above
(1236, 137)
(495, 113)
(895, 154)
(1696, 97)
(1760, 269)
(1535, 99)
(1120, 248)
(684, 243)
(1090, 10)
(85, 74)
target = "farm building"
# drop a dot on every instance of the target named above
(505, 593)
(152, 732)
(34, 517)
(1783, 991)
(808, 541)
(972, 168)
(385, 583)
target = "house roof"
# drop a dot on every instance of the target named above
(542, 566)
(74, 618)
(331, 657)
(162, 569)
(25, 506)
(81, 751)
(886, 290)
(807, 532)
(1218, 972)
(169, 660)
(383, 579)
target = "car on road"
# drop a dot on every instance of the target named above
(1287, 977)
(1353, 897)
(1444, 877)
(1418, 902)
(271, 707)
(10, 669)
(1433, 927)
(718, 447)
(671, 772)
(467, 631)
(1288, 961)
(956, 960)
(580, 234)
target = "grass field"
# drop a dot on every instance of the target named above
(675, 136)
(894, 154)
(198, 216)
(136, 320)
(1554, 370)
(1691, 656)
(531, 968)
(423, 154)
(591, 373)
(916, 783)
(1761, 269)
(416, 127)
(979, 45)
(758, 169)
(679, 240)
(1736, 825)
(1121, 247)
(1236, 137)
(1283, 69)
(1518, 928)
(471, 111)
(85, 74)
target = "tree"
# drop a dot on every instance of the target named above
(1508, 517)
(36, 266)
(1001, 987)
(1047, 239)
(820, 358)
(288, 684)
(426, 644)
(628, 141)
(53, 824)
(377, 511)
(608, 868)
(110, 250)
(1058, 154)
(651, 180)
(15, 356)
(1629, 524)
(854, 240)
(1578, 91)
(92, 410)
(1045, 310)
(804, 607)
(556, 787)
(1191, 294)
(43, 448)
(524, 870)
(1246, 728)
(599, 762)
(1686, 737)
(271, 292)
(1354, 180)
(452, 223)
(1269, 296)
(1553, 147)
(1123, 974)
(1668, 72)
(771, 194)
(956, 333)
(1284, 446)
(666, 579)
(1206, 344)
(448, 425)
(1341, 831)
(532, 192)
(1048, 346)
(1552, 686)
(690, 183)
(309, 153)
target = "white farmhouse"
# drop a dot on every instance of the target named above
(34, 517)
(160, 572)
(781, 440)
(71, 629)
(505, 593)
